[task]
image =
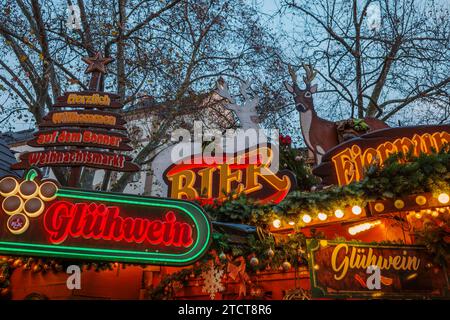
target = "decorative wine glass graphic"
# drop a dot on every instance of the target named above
(25, 199)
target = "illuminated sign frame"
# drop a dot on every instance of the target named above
(188, 180)
(348, 287)
(346, 162)
(195, 214)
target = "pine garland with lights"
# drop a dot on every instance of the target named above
(399, 175)
(293, 160)
(270, 253)
(435, 235)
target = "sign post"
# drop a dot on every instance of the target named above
(100, 129)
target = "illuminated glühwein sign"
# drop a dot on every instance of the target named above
(339, 270)
(346, 162)
(40, 218)
(208, 179)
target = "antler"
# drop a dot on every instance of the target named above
(243, 87)
(223, 91)
(310, 74)
(292, 73)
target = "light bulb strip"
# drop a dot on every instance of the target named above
(363, 227)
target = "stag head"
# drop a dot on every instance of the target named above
(303, 97)
(246, 112)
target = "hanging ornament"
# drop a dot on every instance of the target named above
(297, 294)
(36, 268)
(270, 253)
(286, 266)
(212, 281)
(254, 261)
(5, 291)
(17, 263)
(222, 256)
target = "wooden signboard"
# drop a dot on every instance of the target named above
(39, 218)
(63, 146)
(206, 180)
(346, 162)
(339, 270)
(76, 157)
(89, 99)
(83, 118)
(81, 138)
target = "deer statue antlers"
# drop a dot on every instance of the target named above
(246, 112)
(310, 74)
(293, 74)
(307, 78)
(223, 91)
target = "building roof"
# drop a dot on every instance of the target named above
(11, 138)
(7, 158)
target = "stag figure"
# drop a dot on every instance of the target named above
(246, 113)
(320, 135)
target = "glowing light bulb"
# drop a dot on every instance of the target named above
(291, 223)
(421, 200)
(339, 213)
(322, 216)
(435, 214)
(418, 215)
(356, 210)
(443, 198)
(363, 227)
(306, 218)
(276, 223)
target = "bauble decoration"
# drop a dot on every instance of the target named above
(254, 261)
(286, 266)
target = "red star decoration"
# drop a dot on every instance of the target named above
(96, 63)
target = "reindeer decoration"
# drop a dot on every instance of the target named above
(248, 118)
(246, 113)
(320, 135)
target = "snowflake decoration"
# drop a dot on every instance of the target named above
(212, 281)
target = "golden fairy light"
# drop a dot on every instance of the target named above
(356, 210)
(443, 198)
(306, 218)
(339, 213)
(322, 216)
(276, 223)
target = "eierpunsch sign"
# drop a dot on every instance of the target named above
(346, 162)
